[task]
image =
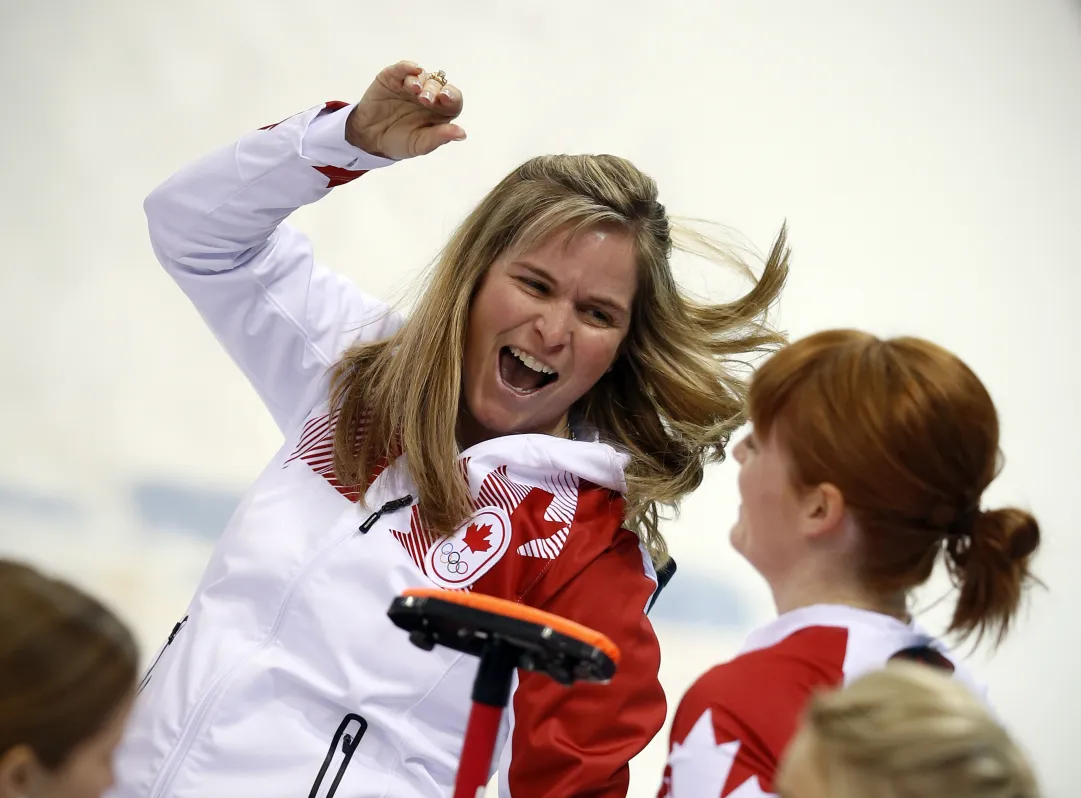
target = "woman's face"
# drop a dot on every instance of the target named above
(544, 327)
(767, 531)
(86, 773)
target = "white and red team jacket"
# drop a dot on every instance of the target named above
(285, 678)
(733, 724)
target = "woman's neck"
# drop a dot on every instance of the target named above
(792, 594)
(470, 432)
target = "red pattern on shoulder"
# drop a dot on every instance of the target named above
(757, 698)
(315, 448)
(543, 521)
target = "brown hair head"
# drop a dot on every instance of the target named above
(66, 664)
(909, 435)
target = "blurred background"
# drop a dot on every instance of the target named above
(927, 157)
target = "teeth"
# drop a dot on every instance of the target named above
(531, 362)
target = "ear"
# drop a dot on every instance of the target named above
(17, 767)
(822, 511)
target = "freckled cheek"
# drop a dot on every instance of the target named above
(510, 310)
(490, 315)
(477, 352)
(743, 482)
(756, 503)
(598, 347)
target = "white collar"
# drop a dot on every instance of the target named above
(835, 615)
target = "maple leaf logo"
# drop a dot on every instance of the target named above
(476, 538)
(704, 765)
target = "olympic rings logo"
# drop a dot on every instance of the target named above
(452, 559)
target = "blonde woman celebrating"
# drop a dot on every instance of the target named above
(906, 731)
(517, 436)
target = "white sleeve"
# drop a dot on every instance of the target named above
(217, 226)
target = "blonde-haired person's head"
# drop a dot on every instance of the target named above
(906, 731)
(669, 393)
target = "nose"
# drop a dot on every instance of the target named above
(554, 323)
(740, 452)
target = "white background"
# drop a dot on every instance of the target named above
(927, 156)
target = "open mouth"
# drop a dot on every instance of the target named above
(523, 373)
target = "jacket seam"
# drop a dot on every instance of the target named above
(410, 714)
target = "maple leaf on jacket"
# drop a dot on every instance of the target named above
(476, 538)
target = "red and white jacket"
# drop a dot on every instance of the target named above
(733, 724)
(285, 677)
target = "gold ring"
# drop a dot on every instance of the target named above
(440, 76)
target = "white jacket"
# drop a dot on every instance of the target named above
(285, 677)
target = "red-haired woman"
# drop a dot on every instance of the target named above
(866, 464)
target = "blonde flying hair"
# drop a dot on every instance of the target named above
(909, 731)
(671, 401)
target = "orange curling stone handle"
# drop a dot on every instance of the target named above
(504, 636)
(472, 623)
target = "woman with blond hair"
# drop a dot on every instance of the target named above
(906, 731)
(517, 436)
(865, 467)
(67, 679)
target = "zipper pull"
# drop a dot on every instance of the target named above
(390, 507)
(176, 629)
(394, 505)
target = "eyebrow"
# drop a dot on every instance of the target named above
(596, 300)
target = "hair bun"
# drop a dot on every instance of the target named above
(1024, 536)
(991, 567)
(1011, 531)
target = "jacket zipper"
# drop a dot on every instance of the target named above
(150, 671)
(393, 506)
(172, 763)
(343, 745)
